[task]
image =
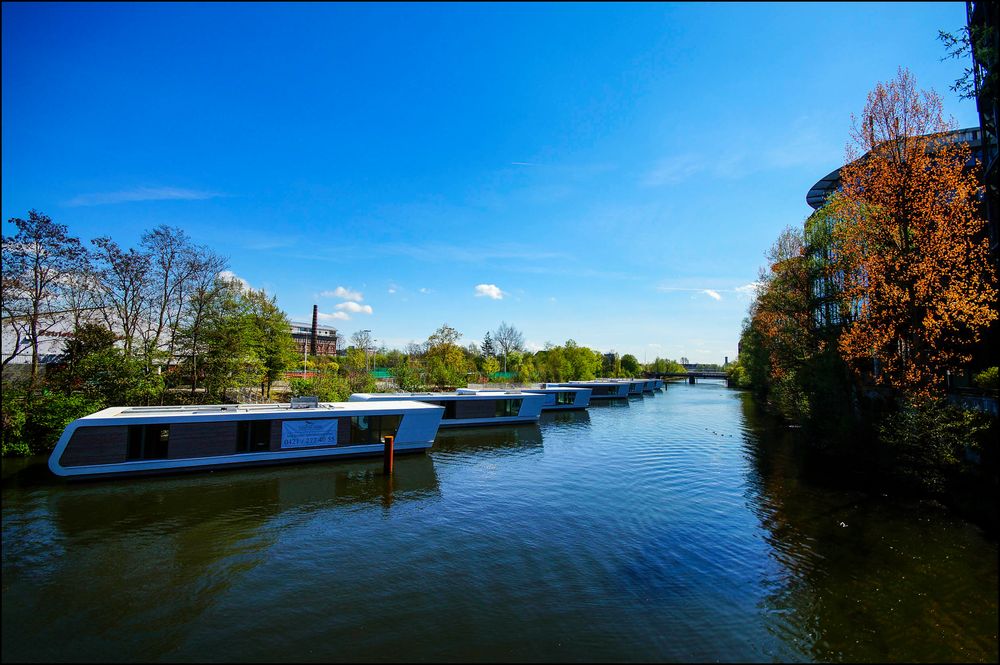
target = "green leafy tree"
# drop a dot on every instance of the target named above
(87, 339)
(407, 371)
(928, 440)
(275, 347)
(522, 365)
(113, 378)
(584, 363)
(206, 288)
(327, 387)
(978, 44)
(231, 342)
(490, 366)
(445, 361)
(611, 365)
(552, 364)
(630, 365)
(32, 422)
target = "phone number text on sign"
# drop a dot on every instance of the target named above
(309, 433)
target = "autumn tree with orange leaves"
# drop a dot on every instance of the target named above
(909, 243)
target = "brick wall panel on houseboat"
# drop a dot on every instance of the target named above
(475, 408)
(96, 445)
(201, 440)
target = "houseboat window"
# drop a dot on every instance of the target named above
(253, 436)
(449, 408)
(601, 390)
(148, 441)
(565, 398)
(371, 429)
(508, 407)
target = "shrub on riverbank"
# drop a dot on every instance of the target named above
(930, 441)
(33, 422)
(327, 387)
(988, 379)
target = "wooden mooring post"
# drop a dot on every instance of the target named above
(387, 454)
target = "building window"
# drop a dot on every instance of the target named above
(148, 441)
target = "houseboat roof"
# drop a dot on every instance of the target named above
(235, 411)
(462, 392)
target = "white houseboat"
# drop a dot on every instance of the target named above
(130, 440)
(557, 398)
(472, 407)
(599, 389)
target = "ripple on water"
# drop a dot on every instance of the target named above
(671, 527)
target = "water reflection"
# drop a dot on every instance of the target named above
(466, 440)
(147, 556)
(679, 528)
(577, 419)
(246, 497)
(862, 578)
(616, 403)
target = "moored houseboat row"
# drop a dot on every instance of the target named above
(473, 407)
(561, 398)
(599, 390)
(145, 440)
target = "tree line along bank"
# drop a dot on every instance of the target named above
(166, 323)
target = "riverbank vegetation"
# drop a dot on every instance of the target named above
(442, 362)
(166, 323)
(869, 317)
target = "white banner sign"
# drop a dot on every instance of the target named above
(309, 433)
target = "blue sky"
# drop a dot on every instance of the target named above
(607, 173)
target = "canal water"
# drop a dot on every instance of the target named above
(675, 527)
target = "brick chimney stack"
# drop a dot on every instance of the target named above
(315, 331)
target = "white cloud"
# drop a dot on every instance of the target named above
(424, 289)
(490, 291)
(354, 308)
(229, 275)
(747, 289)
(342, 316)
(141, 194)
(341, 292)
(392, 289)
